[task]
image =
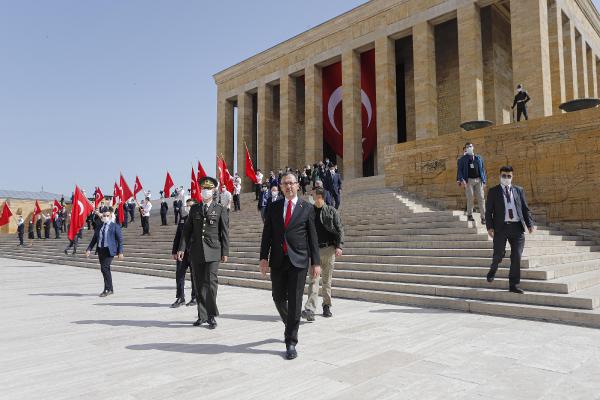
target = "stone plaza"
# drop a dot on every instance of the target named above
(63, 342)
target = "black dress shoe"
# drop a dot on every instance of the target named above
(191, 303)
(109, 292)
(66, 252)
(199, 322)
(291, 352)
(470, 218)
(177, 303)
(515, 289)
(212, 323)
(491, 275)
(103, 294)
(308, 315)
(327, 312)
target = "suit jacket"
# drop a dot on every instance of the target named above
(300, 236)
(206, 234)
(332, 183)
(114, 239)
(495, 210)
(178, 235)
(462, 170)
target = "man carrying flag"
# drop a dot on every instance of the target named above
(98, 197)
(168, 185)
(195, 188)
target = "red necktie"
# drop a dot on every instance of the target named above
(288, 217)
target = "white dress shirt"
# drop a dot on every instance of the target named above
(259, 178)
(147, 207)
(285, 206)
(510, 206)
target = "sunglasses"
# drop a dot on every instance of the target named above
(506, 176)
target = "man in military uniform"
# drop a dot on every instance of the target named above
(207, 232)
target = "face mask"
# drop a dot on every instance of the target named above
(274, 194)
(506, 181)
(519, 90)
(105, 219)
(470, 151)
(185, 211)
(207, 194)
(311, 199)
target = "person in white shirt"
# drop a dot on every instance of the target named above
(237, 190)
(258, 184)
(146, 207)
(225, 198)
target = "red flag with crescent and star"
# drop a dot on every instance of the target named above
(201, 173)
(56, 207)
(221, 171)
(333, 123)
(168, 185)
(6, 214)
(37, 210)
(250, 173)
(195, 188)
(126, 193)
(137, 187)
(98, 197)
(116, 194)
(81, 209)
(226, 176)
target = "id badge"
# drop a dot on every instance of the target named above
(471, 166)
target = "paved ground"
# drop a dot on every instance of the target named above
(60, 341)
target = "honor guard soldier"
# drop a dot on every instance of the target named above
(206, 230)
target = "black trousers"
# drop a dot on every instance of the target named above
(73, 243)
(180, 272)
(146, 225)
(39, 233)
(56, 232)
(522, 110)
(205, 275)
(257, 189)
(105, 262)
(163, 218)
(21, 239)
(46, 233)
(177, 215)
(131, 214)
(337, 199)
(513, 233)
(236, 202)
(287, 290)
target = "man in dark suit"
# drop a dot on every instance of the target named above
(177, 205)
(47, 223)
(289, 246)
(182, 266)
(21, 230)
(38, 228)
(108, 240)
(206, 232)
(164, 208)
(332, 183)
(507, 219)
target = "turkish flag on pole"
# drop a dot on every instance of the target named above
(221, 171)
(201, 172)
(81, 209)
(125, 191)
(226, 178)
(250, 173)
(121, 212)
(369, 105)
(137, 187)
(333, 124)
(195, 188)
(116, 194)
(98, 197)
(36, 211)
(56, 207)
(6, 214)
(168, 185)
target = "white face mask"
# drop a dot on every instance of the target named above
(274, 193)
(186, 210)
(207, 194)
(519, 90)
(506, 181)
(470, 150)
(105, 219)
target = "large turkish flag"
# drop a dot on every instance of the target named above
(81, 209)
(333, 123)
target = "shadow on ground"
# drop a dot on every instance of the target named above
(150, 305)
(210, 348)
(137, 323)
(64, 294)
(414, 311)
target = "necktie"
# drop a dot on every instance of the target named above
(510, 210)
(288, 217)
(103, 244)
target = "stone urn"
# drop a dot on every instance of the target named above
(579, 104)
(477, 124)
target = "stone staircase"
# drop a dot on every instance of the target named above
(398, 250)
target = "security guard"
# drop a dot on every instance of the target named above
(207, 232)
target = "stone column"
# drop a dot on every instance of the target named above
(264, 152)
(313, 103)
(225, 129)
(595, 71)
(570, 59)
(591, 71)
(530, 53)
(425, 84)
(385, 88)
(557, 63)
(287, 130)
(470, 59)
(244, 135)
(582, 69)
(351, 104)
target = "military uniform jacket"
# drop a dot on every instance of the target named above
(206, 235)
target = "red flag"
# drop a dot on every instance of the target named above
(116, 194)
(81, 209)
(227, 178)
(6, 214)
(56, 207)
(369, 105)
(121, 212)
(221, 171)
(137, 187)
(98, 197)
(168, 185)
(201, 172)
(36, 211)
(333, 124)
(250, 173)
(195, 188)
(125, 191)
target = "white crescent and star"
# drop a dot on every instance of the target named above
(80, 205)
(336, 99)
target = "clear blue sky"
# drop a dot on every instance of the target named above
(89, 88)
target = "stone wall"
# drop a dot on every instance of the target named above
(24, 208)
(448, 89)
(556, 160)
